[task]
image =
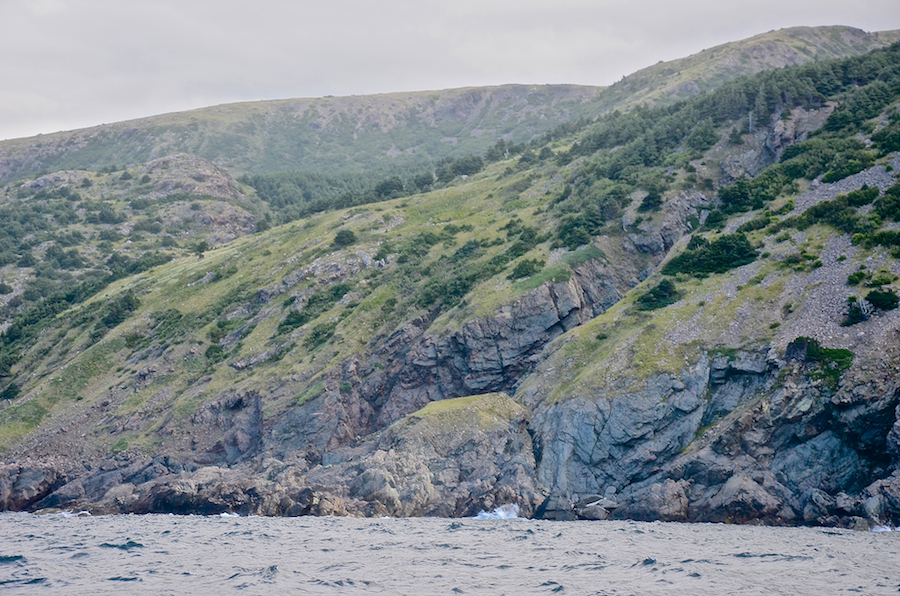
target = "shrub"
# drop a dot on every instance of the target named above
(525, 268)
(857, 311)
(572, 232)
(888, 206)
(855, 278)
(344, 238)
(10, 392)
(651, 202)
(319, 335)
(664, 294)
(888, 138)
(832, 362)
(883, 299)
(119, 309)
(718, 256)
(215, 354)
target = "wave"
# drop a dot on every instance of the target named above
(508, 511)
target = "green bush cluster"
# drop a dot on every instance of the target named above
(832, 361)
(887, 139)
(525, 268)
(888, 206)
(319, 334)
(883, 299)
(717, 256)
(461, 271)
(344, 238)
(316, 304)
(663, 294)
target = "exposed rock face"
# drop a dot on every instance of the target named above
(790, 450)
(657, 240)
(22, 485)
(586, 445)
(456, 459)
(766, 145)
(186, 173)
(485, 355)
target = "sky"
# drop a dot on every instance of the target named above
(67, 64)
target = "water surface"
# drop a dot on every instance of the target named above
(164, 554)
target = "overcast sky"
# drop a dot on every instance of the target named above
(68, 64)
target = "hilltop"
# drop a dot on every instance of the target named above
(660, 314)
(395, 132)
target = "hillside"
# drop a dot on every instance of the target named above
(662, 83)
(664, 315)
(323, 135)
(398, 131)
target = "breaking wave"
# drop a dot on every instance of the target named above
(508, 511)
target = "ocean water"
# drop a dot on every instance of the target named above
(496, 553)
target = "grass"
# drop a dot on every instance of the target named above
(476, 412)
(314, 391)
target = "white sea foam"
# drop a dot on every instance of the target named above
(882, 529)
(508, 511)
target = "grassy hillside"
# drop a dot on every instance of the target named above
(402, 131)
(325, 135)
(665, 82)
(315, 309)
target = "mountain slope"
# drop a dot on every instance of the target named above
(622, 324)
(662, 83)
(325, 135)
(399, 130)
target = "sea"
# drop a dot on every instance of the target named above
(495, 553)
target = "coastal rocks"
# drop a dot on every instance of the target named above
(238, 417)
(794, 455)
(22, 485)
(453, 458)
(587, 444)
(735, 439)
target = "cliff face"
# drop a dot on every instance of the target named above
(724, 434)
(783, 448)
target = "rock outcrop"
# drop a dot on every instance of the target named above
(789, 450)
(484, 355)
(453, 458)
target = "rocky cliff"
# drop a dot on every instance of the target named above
(583, 336)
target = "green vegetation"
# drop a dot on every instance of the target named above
(525, 268)
(662, 294)
(476, 412)
(883, 299)
(344, 238)
(315, 305)
(703, 257)
(832, 361)
(119, 287)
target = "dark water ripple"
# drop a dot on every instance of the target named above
(168, 555)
